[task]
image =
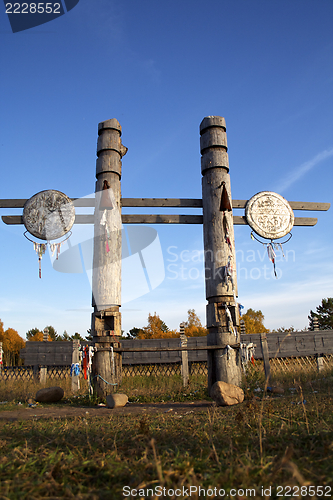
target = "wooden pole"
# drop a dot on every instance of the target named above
(184, 355)
(265, 355)
(320, 363)
(219, 247)
(75, 361)
(43, 369)
(106, 278)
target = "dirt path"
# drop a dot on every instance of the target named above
(39, 412)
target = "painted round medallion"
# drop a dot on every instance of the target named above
(269, 215)
(48, 215)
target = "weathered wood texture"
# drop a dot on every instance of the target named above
(106, 280)
(159, 219)
(106, 276)
(265, 355)
(219, 245)
(184, 356)
(180, 349)
(107, 370)
(162, 202)
(167, 202)
(47, 353)
(308, 343)
(43, 374)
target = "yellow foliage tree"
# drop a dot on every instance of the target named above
(156, 329)
(193, 326)
(254, 321)
(12, 343)
(38, 337)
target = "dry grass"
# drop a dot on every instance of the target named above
(95, 458)
(267, 441)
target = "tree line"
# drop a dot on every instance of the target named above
(253, 320)
(156, 328)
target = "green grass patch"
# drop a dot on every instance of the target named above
(267, 441)
(259, 444)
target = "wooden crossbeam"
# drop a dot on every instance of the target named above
(159, 219)
(163, 218)
(168, 202)
(170, 349)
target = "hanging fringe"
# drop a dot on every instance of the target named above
(75, 369)
(247, 354)
(104, 222)
(54, 247)
(271, 255)
(40, 249)
(272, 246)
(230, 322)
(226, 231)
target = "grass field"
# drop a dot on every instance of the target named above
(257, 449)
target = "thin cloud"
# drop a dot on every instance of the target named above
(298, 172)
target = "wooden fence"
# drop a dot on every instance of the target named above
(296, 344)
(186, 356)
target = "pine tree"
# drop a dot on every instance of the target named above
(324, 315)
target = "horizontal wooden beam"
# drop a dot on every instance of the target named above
(295, 205)
(6, 203)
(309, 205)
(125, 202)
(159, 219)
(299, 221)
(305, 221)
(162, 202)
(169, 349)
(168, 202)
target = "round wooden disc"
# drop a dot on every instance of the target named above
(48, 215)
(269, 215)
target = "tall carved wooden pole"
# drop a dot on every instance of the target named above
(219, 245)
(106, 279)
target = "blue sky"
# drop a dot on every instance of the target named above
(160, 68)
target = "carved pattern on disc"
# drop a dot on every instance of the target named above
(269, 215)
(49, 215)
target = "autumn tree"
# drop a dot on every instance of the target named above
(156, 329)
(254, 321)
(31, 333)
(324, 315)
(12, 343)
(193, 326)
(38, 337)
